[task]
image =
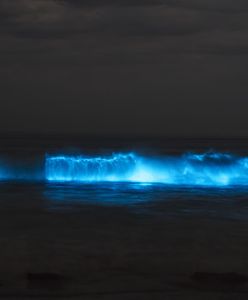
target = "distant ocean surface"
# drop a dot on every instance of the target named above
(167, 177)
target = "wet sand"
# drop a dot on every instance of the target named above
(117, 253)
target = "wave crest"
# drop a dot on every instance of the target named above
(207, 169)
(68, 168)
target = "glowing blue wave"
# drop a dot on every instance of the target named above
(68, 168)
(208, 169)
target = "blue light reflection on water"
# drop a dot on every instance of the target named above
(104, 193)
(128, 193)
(166, 200)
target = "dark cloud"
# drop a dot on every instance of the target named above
(58, 19)
(116, 3)
(232, 6)
(141, 28)
(224, 6)
(161, 64)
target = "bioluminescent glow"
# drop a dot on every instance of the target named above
(191, 169)
(207, 169)
(68, 168)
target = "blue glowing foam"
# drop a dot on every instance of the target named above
(68, 168)
(207, 169)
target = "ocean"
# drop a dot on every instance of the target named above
(170, 176)
(126, 217)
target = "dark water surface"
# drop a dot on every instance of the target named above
(120, 236)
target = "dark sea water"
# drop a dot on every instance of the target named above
(122, 218)
(23, 180)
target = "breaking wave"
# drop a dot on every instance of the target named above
(207, 169)
(192, 169)
(68, 168)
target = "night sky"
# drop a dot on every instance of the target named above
(151, 67)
